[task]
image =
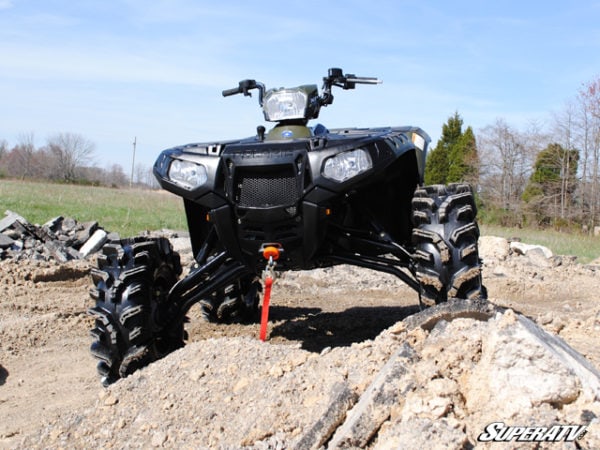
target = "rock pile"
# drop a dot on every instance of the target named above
(497, 250)
(60, 239)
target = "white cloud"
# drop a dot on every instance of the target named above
(6, 4)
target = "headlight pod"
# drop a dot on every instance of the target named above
(301, 102)
(285, 106)
(346, 165)
(187, 174)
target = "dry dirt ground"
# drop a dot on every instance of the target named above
(328, 341)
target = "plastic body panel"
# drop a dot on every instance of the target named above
(274, 191)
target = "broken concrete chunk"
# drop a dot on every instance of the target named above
(493, 248)
(6, 241)
(53, 224)
(17, 245)
(537, 257)
(342, 399)
(85, 231)
(73, 253)
(94, 243)
(523, 249)
(58, 239)
(424, 433)
(12, 233)
(68, 224)
(531, 369)
(34, 231)
(57, 251)
(373, 408)
(113, 236)
(10, 220)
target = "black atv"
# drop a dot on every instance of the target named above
(302, 197)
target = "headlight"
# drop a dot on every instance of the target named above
(285, 105)
(301, 102)
(419, 141)
(347, 165)
(187, 174)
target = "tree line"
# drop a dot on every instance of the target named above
(532, 177)
(67, 158)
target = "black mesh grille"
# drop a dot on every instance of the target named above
(263, 189)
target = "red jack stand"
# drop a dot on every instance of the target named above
(264, 319)
(271, 254)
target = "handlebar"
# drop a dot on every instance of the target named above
(335, 77)
(234, 91)
(244, 87)
(363, 80)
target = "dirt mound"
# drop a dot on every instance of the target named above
(349, 364)
(449, 382)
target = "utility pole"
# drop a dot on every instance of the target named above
(133, 162)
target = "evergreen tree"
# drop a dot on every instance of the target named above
(463, 159)
(549, 193)
(454, 158)
(436, 169)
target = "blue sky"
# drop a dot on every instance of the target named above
(119, 69)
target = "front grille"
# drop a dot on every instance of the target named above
(260, 189)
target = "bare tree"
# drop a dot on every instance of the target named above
(3, 148)
(70, 151)
(3, 153)
(144, 176)
(506, 157)
(116, 176)
(24, 153)
(564, 133)
(589, 101)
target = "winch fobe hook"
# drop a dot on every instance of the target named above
(271, 253)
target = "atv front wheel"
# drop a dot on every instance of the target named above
(132, 282)
(445, 238)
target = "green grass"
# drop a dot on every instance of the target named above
(585, 247)
(125, 211)
(131, 211)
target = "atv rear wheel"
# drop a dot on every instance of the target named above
(132, 282)
(445, 238)
(236, 303)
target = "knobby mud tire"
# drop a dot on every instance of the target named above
(236, 303)
(132, 282)
(445, 238)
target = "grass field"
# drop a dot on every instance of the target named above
(130, 211)
(585, 247)
(125, 211)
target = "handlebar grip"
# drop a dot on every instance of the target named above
(228, 92)
(363, 80)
